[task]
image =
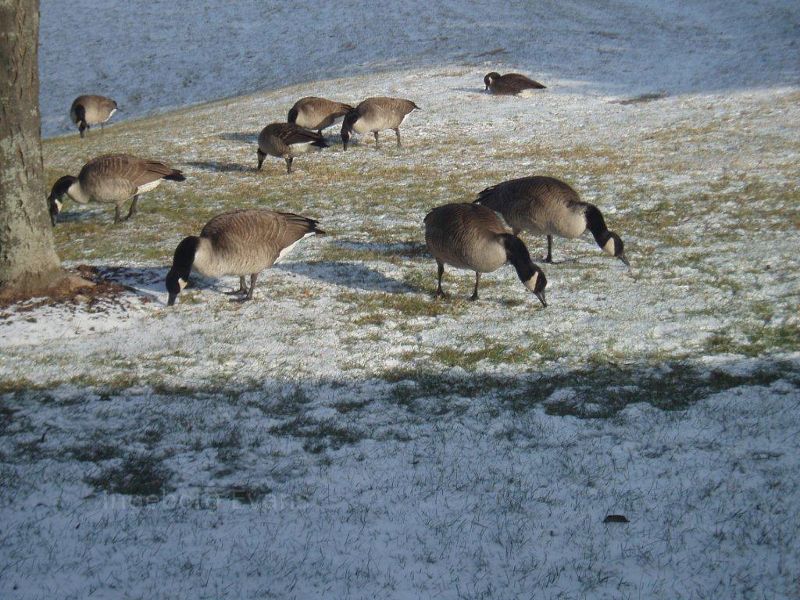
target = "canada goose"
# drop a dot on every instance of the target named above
(242, 242)
(510, 83)
(91, 110)
(317, 113)
(287, 140)
(112, 179)
(548, 206)
(376, 114)
(470, 236)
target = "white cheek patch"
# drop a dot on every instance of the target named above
(182, 282)
(59, 204)
(531, 283)
(609, 248)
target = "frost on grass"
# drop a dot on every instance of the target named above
(345, 435)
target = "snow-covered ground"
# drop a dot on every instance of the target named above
(346, 436)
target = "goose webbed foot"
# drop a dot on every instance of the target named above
(242, 288)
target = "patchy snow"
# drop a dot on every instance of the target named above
(344, 435)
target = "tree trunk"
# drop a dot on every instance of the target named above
(28, 261)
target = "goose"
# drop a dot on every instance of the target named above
(510, 83)
(471, 236)
(241, 242)
(376, 114)
(548, 206)
(111, 179)
(287, 140)
(91, 110)
(316, 113)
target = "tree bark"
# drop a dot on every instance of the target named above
(28, 260)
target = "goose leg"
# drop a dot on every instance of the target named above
(117, 217)
(549, 257)
(252, 285)
(133, 210)
(397, 133)
(261, 157)
(439, 291)
(289, 164)
(242, 288)
(375, 133)
(475, 291)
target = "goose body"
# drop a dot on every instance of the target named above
(316, 113)
(111, 179)
(510, 83)
(548, 206)
(91, 110)
(376, 114)
(472, 237)
(242, 242)
(286, 141)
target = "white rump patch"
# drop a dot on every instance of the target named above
(110, 114)
(288, 249)
(148, 186)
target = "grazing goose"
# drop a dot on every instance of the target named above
(91, 110)
(242, 242)
(548, 206)
(470, 236)
(317, 113)
(111, 179)
(376, 114)
(510, 83)
(287, 140)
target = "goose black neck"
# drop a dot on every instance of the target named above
(596, 224)
(518, 255)
(184, 256)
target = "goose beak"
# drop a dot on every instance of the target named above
(621, 256)
(540, 296)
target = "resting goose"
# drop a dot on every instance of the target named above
(111, 179)
(470, 236)
(287, 140)
(548, 206)
(376, 114)
(510, 83)
(91, 110)
(242, 242)
(316, 113)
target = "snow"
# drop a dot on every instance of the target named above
(344, 436)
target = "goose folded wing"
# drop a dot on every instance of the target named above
(299, 135)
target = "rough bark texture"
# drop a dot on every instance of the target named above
(28, 260)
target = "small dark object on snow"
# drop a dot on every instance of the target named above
(616, 519)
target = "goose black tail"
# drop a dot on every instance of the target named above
(176, 175)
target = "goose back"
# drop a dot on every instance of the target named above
(466, 236)
(317, 113)
(92, 109)
(381, 112)
(114, 178)
(286, 140)
(540, 205)
(248, 241)
(510, 83)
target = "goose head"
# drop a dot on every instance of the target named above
(57, 194)
(536, 284)
(614, 247)
(347, 126)
(489, 78)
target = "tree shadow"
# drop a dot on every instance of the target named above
(347, 274)
(219, 166)
(410, 248)
(243, 138)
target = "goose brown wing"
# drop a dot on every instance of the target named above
(107, 177)
(518, 82)
(294, 134)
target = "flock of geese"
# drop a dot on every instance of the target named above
(480, 236)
